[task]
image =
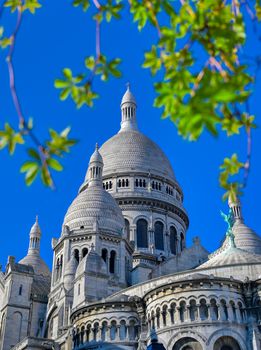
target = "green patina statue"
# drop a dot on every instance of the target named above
(229, 219)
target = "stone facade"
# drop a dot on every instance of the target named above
(123, 276)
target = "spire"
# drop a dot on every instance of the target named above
(235, 205)
(95, 168)
(128, 111)
(35, 238)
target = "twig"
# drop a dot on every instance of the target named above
(43, 152)
(249, 152)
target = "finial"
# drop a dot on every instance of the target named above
(36, 219)
(96, 146)
(128, 85)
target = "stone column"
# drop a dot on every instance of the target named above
(168, 318)
(238, 315)
(151, 243)
(230, 313)
(221, 316)
(176, 315)
(117, 335)
(209, 312)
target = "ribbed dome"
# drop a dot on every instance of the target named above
(94, 207)
(246, 238)
(231, 256)
(130, 151)
(37, 263)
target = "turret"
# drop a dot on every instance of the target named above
(128, 111)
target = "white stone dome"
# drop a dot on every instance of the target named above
(232, 256)
(37, 263)
(94, 207)
(130, 151)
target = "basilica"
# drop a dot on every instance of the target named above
(123, 277)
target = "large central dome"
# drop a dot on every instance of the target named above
(130, 151)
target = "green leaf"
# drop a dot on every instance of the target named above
(31, 176)
(34, 154)
(84, 3)
(54, 164)
(31, 5)
(10, 138)
(28, 165)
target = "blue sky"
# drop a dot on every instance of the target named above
(61, 36)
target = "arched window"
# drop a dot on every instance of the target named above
(182, 242)
(127, 228)
(21, 289)
(57, 269)
(84, 252)
(224, 309)
(113, 330)
(182, 308)
(158, 234)
(122, 330)
(88, 332)
(112, 261)
(214, 309)
(76, 254)
(193, 310)
(203, 309)
(82, 335)
(173, 239)
(142, 233)
(61, 266)
(158, 317)
(104, 330)
(119, 183)
(79, 289)
(104, 255)
(164, 315)
(95, 331)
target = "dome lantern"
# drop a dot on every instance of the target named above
(128, 111)
(35, 237)
(95, 168)
(235, 206)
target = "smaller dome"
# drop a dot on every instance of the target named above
(128, 97)
(33, 258)
(91, 263)
(232, 256)
(37, 263)
(94, 209)
(246, 238)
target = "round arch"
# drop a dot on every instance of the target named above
(224, 332)
(187, 343)
(226, 343)
(198, 338)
